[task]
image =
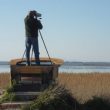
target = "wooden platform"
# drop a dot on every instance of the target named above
(33, 79)
(46, 72)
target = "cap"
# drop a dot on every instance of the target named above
(35, 13)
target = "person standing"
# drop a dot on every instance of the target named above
(32, 25)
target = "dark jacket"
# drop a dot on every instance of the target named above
(31, 26)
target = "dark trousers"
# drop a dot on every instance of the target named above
(32, 43)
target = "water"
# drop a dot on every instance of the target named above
(84, 69)
(69, 68)
(4, 68)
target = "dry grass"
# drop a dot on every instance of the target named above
(83, 86)
(4, 80)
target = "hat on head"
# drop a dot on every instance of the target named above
(33, 12)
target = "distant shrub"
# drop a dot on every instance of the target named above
(97, 103)
(54, 98)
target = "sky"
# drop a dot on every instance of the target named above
(73, 30)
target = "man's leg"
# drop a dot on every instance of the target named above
(36, 50)
(28, 48)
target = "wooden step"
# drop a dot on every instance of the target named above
(26, 96)
(27, 93)
(13, 105)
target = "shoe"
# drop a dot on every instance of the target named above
(37, 63)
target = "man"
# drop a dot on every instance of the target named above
(32, 25)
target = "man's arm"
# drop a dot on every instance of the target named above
(39, 24)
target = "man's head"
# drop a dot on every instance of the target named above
(34, 14)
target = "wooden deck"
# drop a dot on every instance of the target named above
(55, 61)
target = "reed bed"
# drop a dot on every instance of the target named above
(82, 85)
(4, 80)
(85, 86)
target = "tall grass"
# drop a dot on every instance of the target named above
(82, 86)
(85, 86)
(56, 97)
(4, 80)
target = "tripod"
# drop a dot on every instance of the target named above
(44, 46)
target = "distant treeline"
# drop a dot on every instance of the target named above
(69, 63)
(4, 63)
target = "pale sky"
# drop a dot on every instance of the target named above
(74, 30)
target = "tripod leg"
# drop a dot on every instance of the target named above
(45, 47)
(23, 54)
